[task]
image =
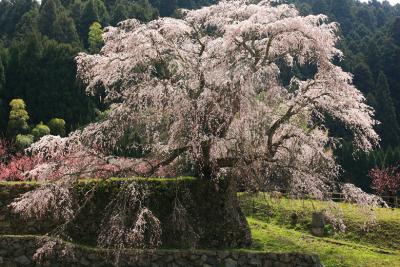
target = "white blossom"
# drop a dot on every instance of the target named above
(209, 87)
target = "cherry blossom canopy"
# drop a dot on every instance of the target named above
(234, 87)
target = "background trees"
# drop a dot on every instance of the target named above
(382, 101)
(57, 127)
(18, 119)
(2, 76)
(40, 130)
(22, 134)
(370, 51)
(95, 39)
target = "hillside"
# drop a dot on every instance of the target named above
(272, 230)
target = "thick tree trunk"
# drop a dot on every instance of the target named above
(221, 214)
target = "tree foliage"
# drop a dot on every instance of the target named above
(95, 39)
(208, 88)
(23, 141)
(2, 83)
(57, 127)
(385, 112)
(18, 118)
(39, 131)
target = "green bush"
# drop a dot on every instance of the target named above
(95, 38)
(57, 127)
(23, 141)
(39, 131)
(18, 118)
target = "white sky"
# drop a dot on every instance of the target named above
(393, 2)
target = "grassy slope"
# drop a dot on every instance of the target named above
(272, 231)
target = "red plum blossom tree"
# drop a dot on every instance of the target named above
(386, 181)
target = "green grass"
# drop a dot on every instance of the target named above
(11, 183)
(272, 230)
(271, 237)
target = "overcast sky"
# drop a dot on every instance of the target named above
(393, 2)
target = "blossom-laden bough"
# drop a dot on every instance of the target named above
(128, 221)
(209, 87)
(235, 89)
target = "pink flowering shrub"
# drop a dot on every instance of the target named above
(13, 164)
(386, 180)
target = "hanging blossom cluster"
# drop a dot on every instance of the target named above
(58, 158)
(353, 194)
(128, 222)
(182, 226)
(217, 88)
(51, 200)
(365, 202)
(53, 249)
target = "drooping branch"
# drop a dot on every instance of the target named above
(267, 50)
(274, 127)
(165, 161)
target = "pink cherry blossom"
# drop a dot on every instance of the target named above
(207, 89)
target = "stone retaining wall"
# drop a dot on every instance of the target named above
(213, 212)
(19, 251)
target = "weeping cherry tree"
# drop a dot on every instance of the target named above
(236, 89)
